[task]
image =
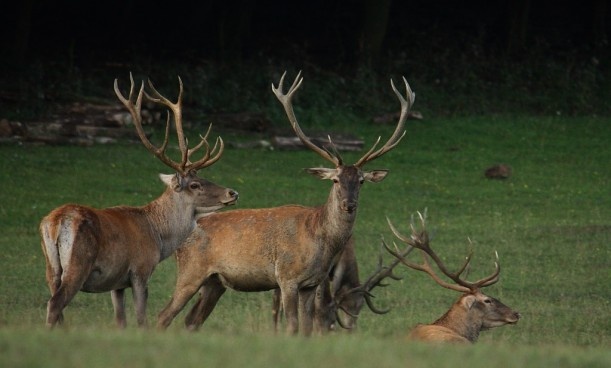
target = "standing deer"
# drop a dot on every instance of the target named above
(111, 249)
(341, 302)
(290, 247)
(472, 313)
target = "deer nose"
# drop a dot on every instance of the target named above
(232, 196)
(349, 206)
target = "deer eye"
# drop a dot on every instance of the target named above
(488, 301)
(335, 181)
(194, 186)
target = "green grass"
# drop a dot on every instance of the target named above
(550, 223)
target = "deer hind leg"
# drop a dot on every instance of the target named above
(72, 281)
(210, 293)
(186, 287)
(67, 279)
(54, 280)
(118, 303)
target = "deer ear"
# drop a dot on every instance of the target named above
(322, 172)
(375, 176)
(172, 181)
(468, 301)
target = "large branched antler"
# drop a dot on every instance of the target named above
(185, 166)
(420, 239)
(399, 133)
(372, 154)
(376, 279)
(285, 100)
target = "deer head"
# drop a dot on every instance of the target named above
(185, 177)
(474, 311)
(347, 179)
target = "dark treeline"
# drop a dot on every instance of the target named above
(536, 56)
(331, 32)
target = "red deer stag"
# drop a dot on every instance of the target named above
(290, 247)
(472, 313)
(342, 301)
(99, 250)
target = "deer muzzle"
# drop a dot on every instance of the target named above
(349, 206)
(231, 197)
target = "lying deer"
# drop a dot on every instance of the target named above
(341, 302)
(111, 249)
(472, 313)
(290, 247)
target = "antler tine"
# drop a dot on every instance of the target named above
(176, 108)
(285, 100)
(399, 133)
(376, 278)
(210, 155)
(421, 241)
(135, 109)
(492, 278)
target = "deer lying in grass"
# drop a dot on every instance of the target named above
(341, 302)
(472, 313)
(290, 247)
(111, 249)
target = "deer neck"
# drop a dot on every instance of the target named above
(335, 224)
(461, 321)
(172, 219)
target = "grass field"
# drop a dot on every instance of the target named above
(550, 223)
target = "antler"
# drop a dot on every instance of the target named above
(420, 240)
(399, 133)
(381, 273)
(185, 166)
(285, 100)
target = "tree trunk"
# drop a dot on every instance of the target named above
(374, 23)
(598, 22)
(18, 36)
(234, 28)
(517, 21)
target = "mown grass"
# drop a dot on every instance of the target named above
(550, 223)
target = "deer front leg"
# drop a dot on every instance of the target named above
(118, 303)
(276, 308)
(306, 310)
(324, 309)
(290, 303)
(140, 295)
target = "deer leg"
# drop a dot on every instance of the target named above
(306, 310)
(290, 303)
(276, 308)
(118, 303)
(66, 291)
(210, 293)
(140, 294)
(54, 282)
(72, 281)
(186, 287)
(324, 311)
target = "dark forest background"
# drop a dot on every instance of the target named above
(469, 56)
